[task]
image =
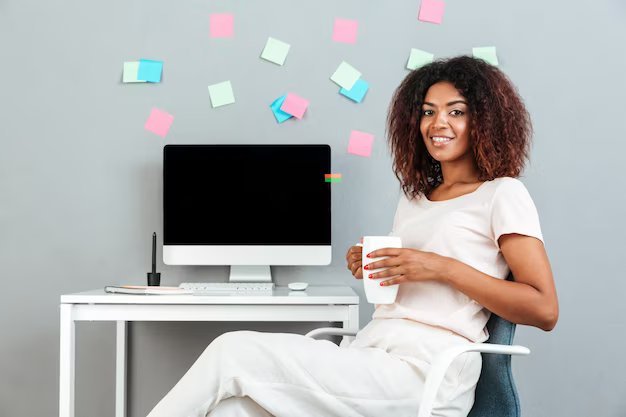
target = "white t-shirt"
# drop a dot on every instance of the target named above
(467, 229)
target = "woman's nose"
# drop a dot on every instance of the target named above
(441, 120)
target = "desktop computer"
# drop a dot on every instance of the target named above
(247, 206)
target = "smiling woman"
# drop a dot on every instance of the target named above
(459, 134)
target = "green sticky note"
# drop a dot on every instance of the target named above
(332, 179)
(486, 53)
(345, 75)
(221, 94)
(275, 51)
(419, 58)
(130, 72)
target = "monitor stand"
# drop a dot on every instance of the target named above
(250, 273)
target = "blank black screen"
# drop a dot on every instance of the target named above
(246, 195)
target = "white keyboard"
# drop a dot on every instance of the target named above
(228, 287)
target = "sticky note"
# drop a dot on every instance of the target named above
(294, 105)
(275, 51)
(150, 70)
(280, 115)
(345, 30)
(360, 143)
(221, 25)
(221, 94)
(159, 122)
(486, 53)
(345, 75)
(357, 92)
(431, 11)
(130, 72)
(332, 177)
(419, 58)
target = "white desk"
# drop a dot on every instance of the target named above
(338, 303)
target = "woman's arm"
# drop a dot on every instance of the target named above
(530, 300)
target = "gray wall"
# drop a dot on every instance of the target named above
(80, 183)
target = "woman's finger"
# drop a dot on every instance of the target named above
(395, 280)
(355, 258)
(385, 263)
(389, 272)
(359, 274)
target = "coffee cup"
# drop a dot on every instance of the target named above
(374, 292)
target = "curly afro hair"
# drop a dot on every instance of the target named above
(500, 127)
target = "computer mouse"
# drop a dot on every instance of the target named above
(297, 286)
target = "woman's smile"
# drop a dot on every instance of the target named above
(441, 141)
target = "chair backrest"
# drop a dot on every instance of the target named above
(496, 395)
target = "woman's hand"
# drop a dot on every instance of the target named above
(406, 265)
(354, 258)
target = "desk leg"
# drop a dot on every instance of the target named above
(352, 323)
(120, 369)
(66, 362)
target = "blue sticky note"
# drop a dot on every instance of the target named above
(150, 70)
(357, 92)
(280, 115)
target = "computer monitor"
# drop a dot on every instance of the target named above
(247, 206)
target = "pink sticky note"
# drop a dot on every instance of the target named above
(221, 25)
(431, 11)
(345, 30)
(360, 143)
(159, 122)
(294, 105)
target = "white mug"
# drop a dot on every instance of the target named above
(374, 293)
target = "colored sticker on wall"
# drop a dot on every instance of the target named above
(275, 51)
(345, 30)
(280, 115)
(159, 122)
(486, 53)
(357, 92)
(150, 70)
(221, 25)
(295, 105)
(419, 58)
(345, 75)
(332, 177)
(360, 143)
(131, 69)
(431, 11)
(221, 94)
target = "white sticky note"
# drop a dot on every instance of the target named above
(275, 51)
(345, 75)
(419, 58)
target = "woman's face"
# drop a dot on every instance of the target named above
(444, 123)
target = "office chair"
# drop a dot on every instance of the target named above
(496, 395)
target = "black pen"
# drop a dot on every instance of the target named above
(154, 277)
(154, 253)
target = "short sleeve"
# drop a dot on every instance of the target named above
(513, 211)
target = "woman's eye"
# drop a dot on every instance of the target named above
(456, 112)
(427, 112)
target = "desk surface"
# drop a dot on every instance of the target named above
(280, 295)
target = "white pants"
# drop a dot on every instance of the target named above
(382, 372)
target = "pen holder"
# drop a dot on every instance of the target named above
(154, 279)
